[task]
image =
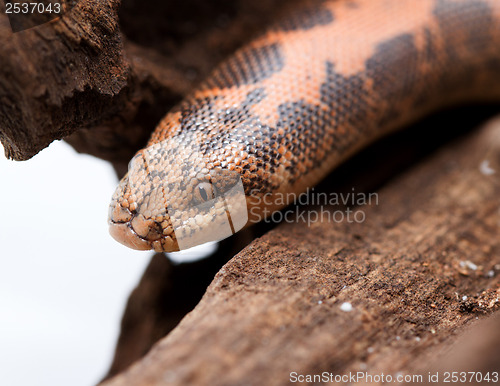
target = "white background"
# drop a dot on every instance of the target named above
(64, 281)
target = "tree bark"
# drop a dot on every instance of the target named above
(60, 76)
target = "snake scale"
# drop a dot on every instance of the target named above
(283, 111)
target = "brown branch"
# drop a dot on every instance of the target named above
(59, 76)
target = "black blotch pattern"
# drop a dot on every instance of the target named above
(304, 125)
(248, 66)
(201, 115)
(237, 125)
(430, 52)
(194, 114)
(475, 18)
(242, 113)
(394, 71)
(306, 19)
(393, 67)
(347, 94)
(311, 132)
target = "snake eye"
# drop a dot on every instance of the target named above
(203, 192)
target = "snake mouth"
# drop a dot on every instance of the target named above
(125, 234)
(136, 232)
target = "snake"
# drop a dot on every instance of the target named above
(276, 117)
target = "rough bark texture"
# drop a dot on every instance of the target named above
(59, 76)
(423, 265)
(166, 293)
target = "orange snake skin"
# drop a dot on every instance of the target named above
(284, 110)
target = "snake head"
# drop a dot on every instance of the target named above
(174, 198)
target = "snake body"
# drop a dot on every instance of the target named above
(324, 81)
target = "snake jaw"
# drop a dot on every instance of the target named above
(126, 234)
(133, 230)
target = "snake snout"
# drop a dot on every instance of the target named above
(120, 228)
(124, 234)
(137, 232)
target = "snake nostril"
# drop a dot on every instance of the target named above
(146, 228)
(119, 214)
(155, 231)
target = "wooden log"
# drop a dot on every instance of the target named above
(377, 296)
(59, 76)
(165, 294)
